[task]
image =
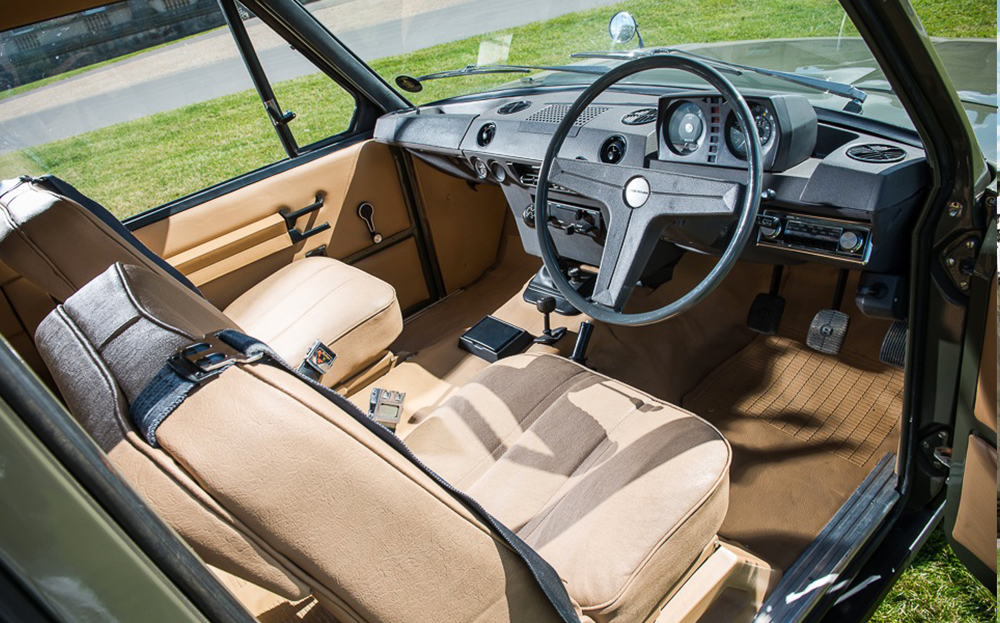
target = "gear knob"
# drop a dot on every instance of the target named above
(546, 305)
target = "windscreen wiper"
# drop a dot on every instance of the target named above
(413, 85)
(856, 95)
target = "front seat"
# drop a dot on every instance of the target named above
(621, 493)
(59, 239)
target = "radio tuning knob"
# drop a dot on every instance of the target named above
(770, 226)
(850, 241)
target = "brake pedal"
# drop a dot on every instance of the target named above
(768, 307)
(893, 351)
(827, 331)
(765, 313)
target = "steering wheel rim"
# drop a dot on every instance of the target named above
(745, 222)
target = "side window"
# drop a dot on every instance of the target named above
(142, 102)
(322, 107)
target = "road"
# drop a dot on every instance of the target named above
(209, 66)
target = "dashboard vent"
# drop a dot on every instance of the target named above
(613, 150)
(512, 107)
(527, 174)
(640, 117)
(554, 113)
(486, 133)
(877, 153)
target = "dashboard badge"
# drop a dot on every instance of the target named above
(636, 192)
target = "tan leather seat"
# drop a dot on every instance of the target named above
(60, 240)
(621, 493)
(318, 298)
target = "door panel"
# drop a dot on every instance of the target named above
(974, 528)
(228, 244)
(972, 476)
(400, 266)
(986, 390)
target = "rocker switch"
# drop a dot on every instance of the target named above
(367, 213)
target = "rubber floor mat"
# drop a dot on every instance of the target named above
(846, 404)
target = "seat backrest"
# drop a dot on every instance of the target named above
(318, 500)
(59, 239)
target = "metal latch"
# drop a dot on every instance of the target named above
(959, 259)
(319, 359)
(386, 407)
(936, 447)
(208, 357)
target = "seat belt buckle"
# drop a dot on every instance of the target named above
(386, 406)
(208, 357)
(319, 359)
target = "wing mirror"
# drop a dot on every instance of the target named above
(623, 28)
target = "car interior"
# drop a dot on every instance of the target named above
(674, 470)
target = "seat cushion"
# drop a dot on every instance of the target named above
(619, 491)
(318, 298)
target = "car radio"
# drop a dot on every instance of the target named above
(826, 237)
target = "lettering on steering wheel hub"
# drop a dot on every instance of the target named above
(636, 192)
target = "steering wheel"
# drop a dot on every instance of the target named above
(639, 201)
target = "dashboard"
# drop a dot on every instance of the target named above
(834, 193)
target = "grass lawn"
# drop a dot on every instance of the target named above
(136, 165)
(937, 589)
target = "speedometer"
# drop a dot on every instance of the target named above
(685, 129)
(735, 139)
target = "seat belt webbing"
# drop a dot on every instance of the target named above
(169, 387)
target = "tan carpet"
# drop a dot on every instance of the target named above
(798, 454)
(845, 407)
(805, 428)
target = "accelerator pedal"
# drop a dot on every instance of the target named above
(827, 331)
(768, 307)
(893, 351)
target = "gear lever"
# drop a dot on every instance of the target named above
(546, 305)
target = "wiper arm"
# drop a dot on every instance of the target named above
(413, 85)
(856, 95)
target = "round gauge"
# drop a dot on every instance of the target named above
(737, 142)
(482, 171)
(685, 128)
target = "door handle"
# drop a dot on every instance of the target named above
(291, 216)
(367, 213)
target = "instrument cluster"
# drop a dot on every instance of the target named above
(703, 129)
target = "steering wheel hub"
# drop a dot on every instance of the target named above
(636, 192)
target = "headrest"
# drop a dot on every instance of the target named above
(60, 239)
(128, 321)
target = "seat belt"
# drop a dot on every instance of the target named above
(193, 365)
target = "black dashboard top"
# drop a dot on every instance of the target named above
(811, 168)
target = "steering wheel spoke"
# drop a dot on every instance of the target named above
(664, 193)
(686, 196)
(632, 236)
